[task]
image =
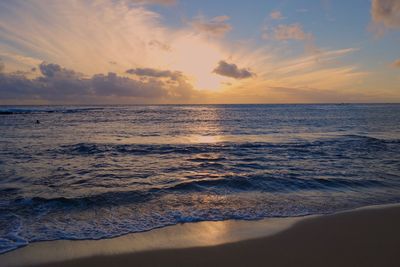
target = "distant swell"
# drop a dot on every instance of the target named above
(16, 111)
(345, 142)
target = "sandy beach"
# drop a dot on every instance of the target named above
(363, 237)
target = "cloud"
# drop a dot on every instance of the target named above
(232, 71)
(396, 63)
(290, 32)
(55, 70)
(113, 85)
(217, 26)
(326, 70)
(386, 13)
(61, 85)
(160, 45)
(17, 87)
(276, 15)
(176, 80)
(286, 32)
(149, 72)
(24, 60)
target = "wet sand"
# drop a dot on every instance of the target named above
(364, 237)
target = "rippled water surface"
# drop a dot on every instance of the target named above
(98, 172)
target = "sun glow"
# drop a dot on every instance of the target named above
(196, 57)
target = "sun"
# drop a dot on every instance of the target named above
(197, 58)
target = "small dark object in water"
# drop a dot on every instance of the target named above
(37, 122)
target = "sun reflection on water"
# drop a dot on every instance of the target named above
(207, 139)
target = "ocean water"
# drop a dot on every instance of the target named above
(104, 171)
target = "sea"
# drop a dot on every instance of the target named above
(95, 172)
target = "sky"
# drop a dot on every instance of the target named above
(195, 52)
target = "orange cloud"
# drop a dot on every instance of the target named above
(291, 32)
(396, 63)
(276, 15)
(217, 26)
(159, 2)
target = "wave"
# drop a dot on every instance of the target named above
(370, 139)
(90, 201)
(134, 149)
(274, 184)
(222, 186)
(344, 142)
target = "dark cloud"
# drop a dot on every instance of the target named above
(1, 66)
(49, 70)
(217, 26)
(174, 79)
(154, 73)
(54, 70)
(232, 71)
(114, 85)
(149, 72)
(386, 13)
(13, 86)
(61, 85)
(55, 84)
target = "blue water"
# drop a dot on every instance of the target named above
(103, 171)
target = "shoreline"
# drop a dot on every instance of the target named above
(367, 236)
